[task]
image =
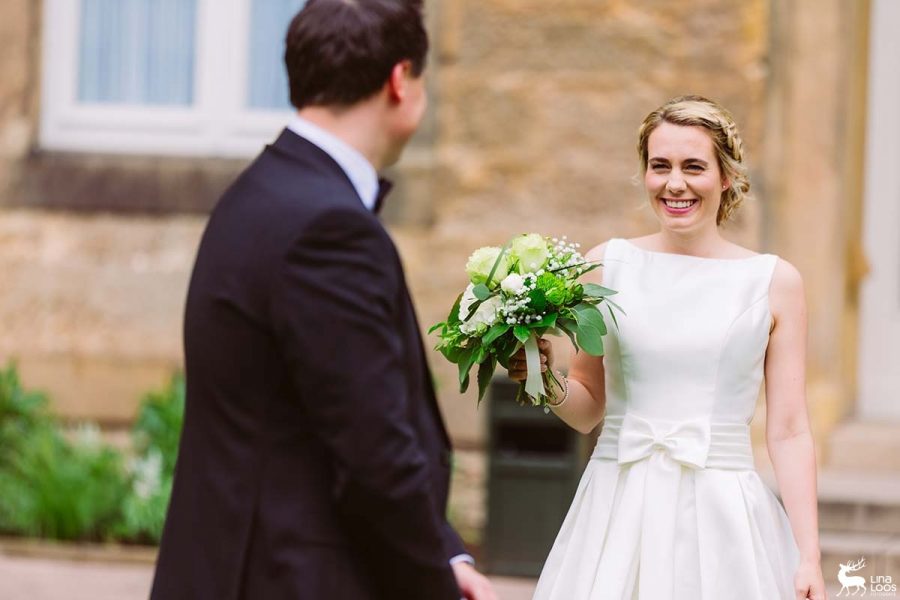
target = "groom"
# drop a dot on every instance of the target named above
(314, 463)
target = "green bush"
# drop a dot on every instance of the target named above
(83, 489)
(20, 413)
(156, 433)
(49, 486)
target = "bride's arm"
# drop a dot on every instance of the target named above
(788, 435)
(586, 404)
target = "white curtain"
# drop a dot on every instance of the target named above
(137, 51)
(267, 85)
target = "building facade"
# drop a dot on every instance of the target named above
(105, 182)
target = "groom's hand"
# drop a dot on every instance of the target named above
(472, 584)
(518, 369)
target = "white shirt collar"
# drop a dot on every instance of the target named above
(358, 169)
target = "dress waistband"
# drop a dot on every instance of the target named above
(697, 443)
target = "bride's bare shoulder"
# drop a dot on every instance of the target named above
(595, 255)
(597, 252)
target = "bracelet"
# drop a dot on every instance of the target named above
(565, 392)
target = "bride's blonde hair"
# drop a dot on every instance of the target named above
(702, 112)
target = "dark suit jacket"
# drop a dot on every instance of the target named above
(313, 462)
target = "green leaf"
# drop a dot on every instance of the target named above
(463, 378)
(589, 315)
(495, 332)
(522, 333)
(436, 326)
(547, 321)
(538, 300)
(598, 291)
(452, 353)
(497, 263)
(453, 318)
(590, 340)
(569, 327)
(466, 360)
(481, 292)
(505, 347)
(485, 373)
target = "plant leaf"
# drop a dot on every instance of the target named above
(590, 339)
(485, 373)
(548, 321)
(495, 332)
(453, 318)
(569, 327)
(589, 315)
(481, 292)
(522, 333)
(598, 291)
(497, 263)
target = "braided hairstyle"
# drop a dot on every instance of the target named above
(702, 112)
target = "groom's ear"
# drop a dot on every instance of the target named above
(398, 81)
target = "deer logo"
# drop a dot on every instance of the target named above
(854, 581)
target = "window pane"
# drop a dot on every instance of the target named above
(267, 80)
(137, 51)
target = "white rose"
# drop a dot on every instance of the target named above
(466, 302)
(482, 261)
(485, 316)
(531, 251)
(513, 284)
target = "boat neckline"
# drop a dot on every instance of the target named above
(714, 258)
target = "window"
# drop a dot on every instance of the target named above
(170, 77)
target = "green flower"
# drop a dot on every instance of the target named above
(531, 251)
(482, 261)
(556, 296)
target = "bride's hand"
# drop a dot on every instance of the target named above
(518, 367)
(809, 583)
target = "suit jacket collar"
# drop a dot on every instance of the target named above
(302, 150)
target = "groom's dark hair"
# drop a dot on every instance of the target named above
(338, 52)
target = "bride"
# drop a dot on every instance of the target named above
(670, 506)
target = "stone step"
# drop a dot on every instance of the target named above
(859, 502)
(855, 502)
(880, 551)
(865, 446)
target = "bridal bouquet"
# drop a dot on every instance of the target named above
(516, 294)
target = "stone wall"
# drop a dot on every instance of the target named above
(538, 107)
(534, 110)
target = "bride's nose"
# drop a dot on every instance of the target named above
(675, 184)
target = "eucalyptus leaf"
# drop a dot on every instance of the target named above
(569, 327)
(590, 339)
(589, 315)
(598, 291)
(481, 292)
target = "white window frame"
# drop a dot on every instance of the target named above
(880, 294)
(216, 124)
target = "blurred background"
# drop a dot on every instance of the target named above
(122, 121)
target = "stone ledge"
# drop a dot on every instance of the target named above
(78, 551)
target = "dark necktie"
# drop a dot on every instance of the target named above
(384, 188)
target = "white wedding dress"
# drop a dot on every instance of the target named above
(670, 507)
